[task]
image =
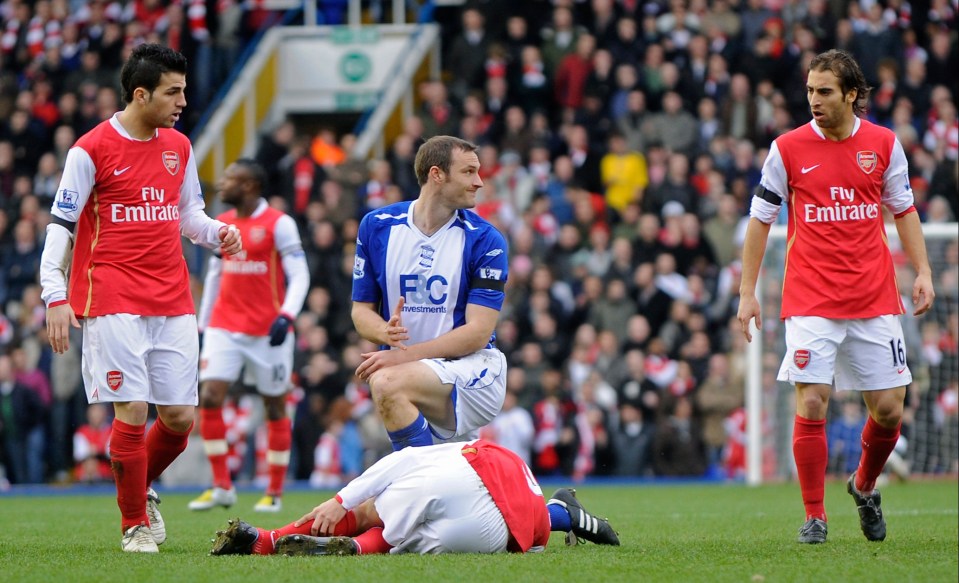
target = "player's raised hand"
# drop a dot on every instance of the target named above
(59, 320)
(230, 241)
(923, 293)
(749, 309)
(396, 333)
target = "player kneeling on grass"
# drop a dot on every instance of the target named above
(476, 497)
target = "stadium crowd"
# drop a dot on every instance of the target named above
(620, 143)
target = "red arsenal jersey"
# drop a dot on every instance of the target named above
(128, 256)
(252, 284)
(519, 501)
(838, 263)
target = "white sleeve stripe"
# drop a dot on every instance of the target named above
(774, 177)
(896, 192)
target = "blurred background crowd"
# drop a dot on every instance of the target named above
(620, 143)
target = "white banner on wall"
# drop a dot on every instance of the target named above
(345, 70)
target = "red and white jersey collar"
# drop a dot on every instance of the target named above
(815, 127)
(115, 122)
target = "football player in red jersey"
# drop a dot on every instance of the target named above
(129, 190)
(474, 497)
(840, 301)
(247, 310)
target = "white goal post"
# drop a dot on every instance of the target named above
(770, 405)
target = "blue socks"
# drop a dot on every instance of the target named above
(416, 434)
(559, 518)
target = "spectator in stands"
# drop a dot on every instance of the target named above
(559, 39)
(716, 398)
(572, 74)
(585, 157)
(623, 173)
(673, 128)
(632, 438)
(513, 427)
(530, 89)
(844, 437)
(678, 447)
(91, 446)
(22, 418)
(674, 195)
(21, 263)
(467, 54)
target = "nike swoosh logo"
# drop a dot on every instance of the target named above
(120, 171)
(810, 169)
(901, 370)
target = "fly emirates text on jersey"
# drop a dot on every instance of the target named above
(146, 212)
(841, 209)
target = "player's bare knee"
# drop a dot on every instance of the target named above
(888, 416)
(814, 407)
(178, 419)
(386, 388)
(213, 394)
(209, 401)
(275, 407)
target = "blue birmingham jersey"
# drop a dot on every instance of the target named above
(465, 262)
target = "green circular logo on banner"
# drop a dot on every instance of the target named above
(355, 67)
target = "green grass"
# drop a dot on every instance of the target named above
(669, 533)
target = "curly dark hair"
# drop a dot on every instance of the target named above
(147, 63)
(844, 66)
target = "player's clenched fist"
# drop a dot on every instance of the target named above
(230, 241)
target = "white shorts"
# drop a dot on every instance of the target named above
(479, 388)
(440, 506)
(860, 355)
(130, 358)
(225, 354)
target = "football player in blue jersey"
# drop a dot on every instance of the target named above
(428, 285)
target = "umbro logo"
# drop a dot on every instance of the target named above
(810, 169)
(120, 171)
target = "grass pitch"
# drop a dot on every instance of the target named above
(679, 532)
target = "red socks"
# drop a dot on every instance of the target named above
(213, 431)
(278, 437)
(811, 453)
(372, 542)
(877, 443)
(162, 447)
(266, 541)
(128, 459)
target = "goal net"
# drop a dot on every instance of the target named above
(930, 443)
